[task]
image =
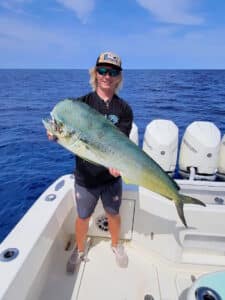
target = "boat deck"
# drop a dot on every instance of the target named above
(147, 276)
(164, 257)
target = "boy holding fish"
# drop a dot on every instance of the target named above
(94, 181)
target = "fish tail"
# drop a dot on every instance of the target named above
(180, 206)
(191, 200)
(180, 210)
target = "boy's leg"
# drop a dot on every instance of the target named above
(86, 200)
(111, 199)
(114, 228)
(111, 196)
(81, 229)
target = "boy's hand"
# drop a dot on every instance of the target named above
(114, 172)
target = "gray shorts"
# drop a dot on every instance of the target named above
(87, 198)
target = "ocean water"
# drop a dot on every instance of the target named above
(29, 163)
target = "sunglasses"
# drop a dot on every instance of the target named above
(112, 72)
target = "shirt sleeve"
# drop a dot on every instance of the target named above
(126, 119)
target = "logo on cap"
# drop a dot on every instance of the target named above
(112, 58)
(109, 58)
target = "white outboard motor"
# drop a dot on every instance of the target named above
(161, 143)
(199, 151)
(221, 164)
(134, 133)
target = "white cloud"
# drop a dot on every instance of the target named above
(14, 5)
(158, 48)
(172, 11)
(29, 45)
(82, 8)
(26, 44)
(25, 37)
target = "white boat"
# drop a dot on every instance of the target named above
(166, 260)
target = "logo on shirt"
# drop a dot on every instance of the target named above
(114, 119)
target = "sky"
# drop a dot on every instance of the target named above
(146, 34)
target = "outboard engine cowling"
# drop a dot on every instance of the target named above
(221, 163)
(134, 133)
(199, 151)
(161, 143)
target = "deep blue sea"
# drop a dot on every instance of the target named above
(29, 163)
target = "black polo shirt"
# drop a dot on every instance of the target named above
(118, 112)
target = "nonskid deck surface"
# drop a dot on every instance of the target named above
(100, 278)
(145, 276)
(103, 279)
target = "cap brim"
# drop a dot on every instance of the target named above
(111, 65)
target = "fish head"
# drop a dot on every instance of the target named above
(61, 123)
(69, 125)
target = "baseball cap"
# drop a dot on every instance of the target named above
(109, 58)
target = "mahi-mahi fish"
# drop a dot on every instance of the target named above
(88, 134)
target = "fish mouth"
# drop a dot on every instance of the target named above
(56, 125)
(53, 125)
